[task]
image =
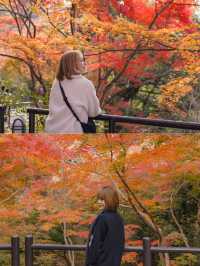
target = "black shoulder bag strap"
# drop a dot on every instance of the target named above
(67, 102)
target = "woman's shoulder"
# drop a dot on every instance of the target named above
(77, 78)
(54, 87)
(104, 215)
(114, 214)
(55, 83)
(107, 217)
(101, 216)
(86, 81)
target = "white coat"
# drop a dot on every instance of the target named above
(81, 94)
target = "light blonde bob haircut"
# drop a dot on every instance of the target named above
(110, 196)
(70, 64)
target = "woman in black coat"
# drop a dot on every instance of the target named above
(106, 238)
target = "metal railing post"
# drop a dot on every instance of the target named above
(15, 251)
(147, 260)
(31, 122)
(111, 126)
(2, 118)
(28, 251)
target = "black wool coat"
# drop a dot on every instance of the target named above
(106, 240)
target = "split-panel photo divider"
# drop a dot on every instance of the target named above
(69, 199)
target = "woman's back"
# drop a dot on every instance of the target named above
(106, 244)
(82, 97)
(114, 241)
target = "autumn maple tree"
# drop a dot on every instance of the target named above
(138, 52)
(50, 190)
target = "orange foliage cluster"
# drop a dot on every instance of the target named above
(126, 39)
(54, 178)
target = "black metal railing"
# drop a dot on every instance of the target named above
(14, 249)
(113, 119)
(2, 118)
(146, 250)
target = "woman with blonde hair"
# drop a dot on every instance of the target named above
(73, 97)
(106, 237)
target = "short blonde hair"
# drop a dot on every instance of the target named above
(110, 197)
(69, 65)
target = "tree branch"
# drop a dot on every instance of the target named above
(172, 198)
